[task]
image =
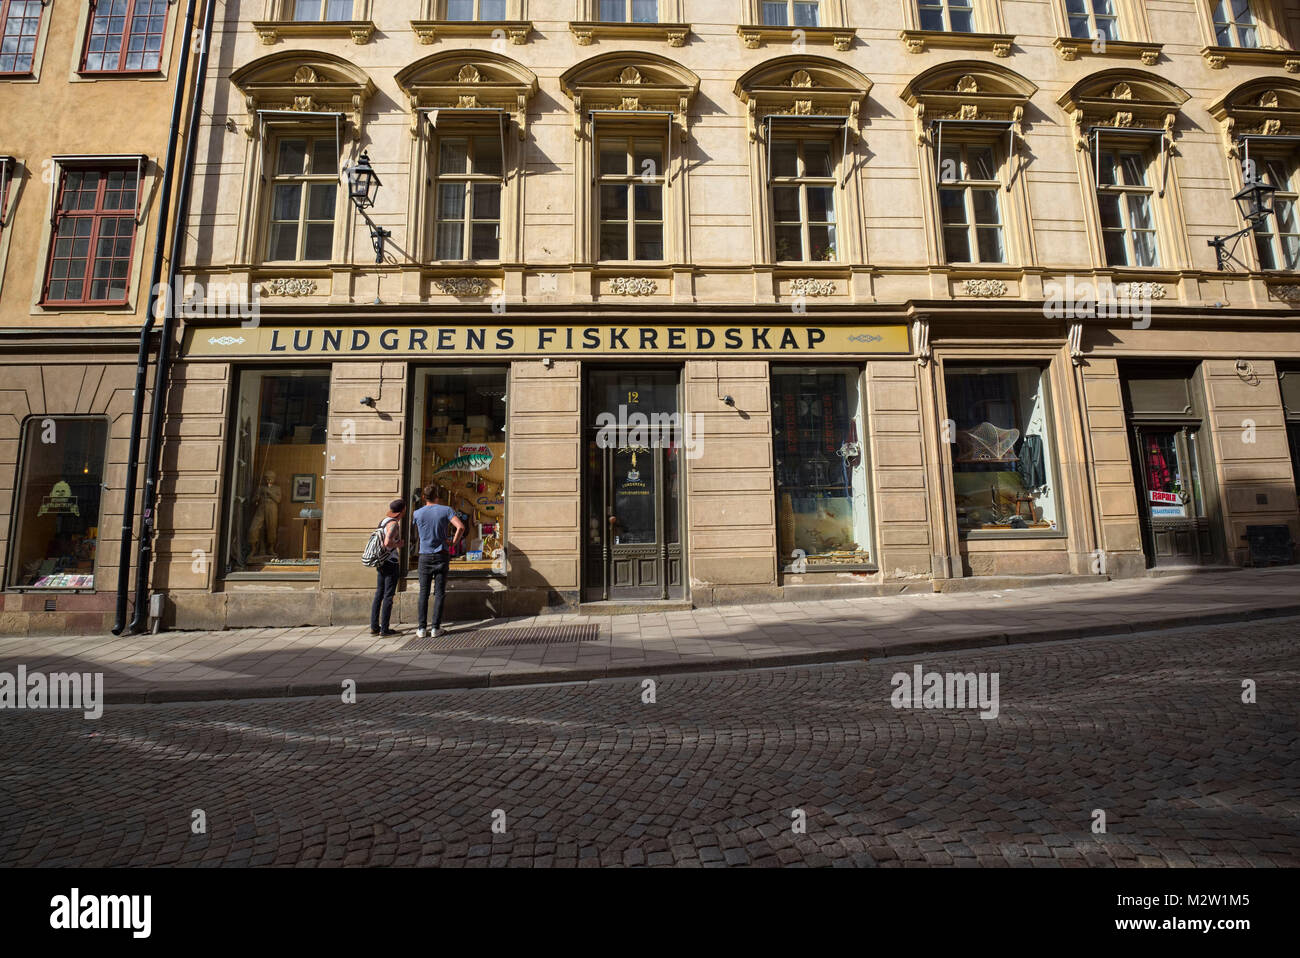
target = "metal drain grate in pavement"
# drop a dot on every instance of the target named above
(494, 638)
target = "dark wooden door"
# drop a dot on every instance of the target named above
(632, 508)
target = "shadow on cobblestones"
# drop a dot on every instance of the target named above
(1151, 730)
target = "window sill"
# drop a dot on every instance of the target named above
(917, 41)
(79, 307)
(413, 574)
(1219, 57)
(271, 577)
(272, 31)
(153, 73)
(674, 34)
(426, 31)
(1071, 48)
(986, 535)
(755, 35)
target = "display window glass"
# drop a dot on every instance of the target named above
(1004, 473)
(60, 496)
(461, 449)
(823, 506)
(277, 472)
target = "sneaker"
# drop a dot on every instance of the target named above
(434, 633)
(419, 633)
(390, 632)
(374, 631)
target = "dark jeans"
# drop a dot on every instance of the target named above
(432, 568)
(385, 588)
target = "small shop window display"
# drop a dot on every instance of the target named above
(1003, 473)
(821, 469)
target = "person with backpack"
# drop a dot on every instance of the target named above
(434, 524)
(384, 555)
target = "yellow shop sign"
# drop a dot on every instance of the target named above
(274, 342)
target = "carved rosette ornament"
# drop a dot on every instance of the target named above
(633, 286)
(985, 288)
(286, 286)
(809, 286)
(462, 285)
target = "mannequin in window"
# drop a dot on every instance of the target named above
(265, 525)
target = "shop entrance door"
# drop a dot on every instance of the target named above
(1175, 529)
(632, 506)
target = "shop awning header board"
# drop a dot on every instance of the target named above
(462, 342)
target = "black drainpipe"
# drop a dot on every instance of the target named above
(149, 496)
(146, 332)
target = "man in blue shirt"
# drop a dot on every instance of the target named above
(433, 523)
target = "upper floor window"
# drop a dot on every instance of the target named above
(1124, 200)
(93, 235)
(1091, 19)
(803, 200)
(470, 10)
(317, 10)
(1277, 237)
(954, 16)
(631, 198)
(629, 11)
(125, 36)
(304, 191)
(791, 13)
(20, 21)
(468, 197)
(969, 205)
(1234, 24)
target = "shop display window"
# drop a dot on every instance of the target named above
(60, 497)
(1004, 475)
(823, 514)
(277, 472)
(462, 450)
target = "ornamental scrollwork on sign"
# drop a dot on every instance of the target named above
(284, 286)
(462, 286)
(633, 286)
(808, 286)
(1288, 294)
(984, 287)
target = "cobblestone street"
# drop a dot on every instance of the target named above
(1151, 729)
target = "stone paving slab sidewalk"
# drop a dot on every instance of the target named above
(274, 662)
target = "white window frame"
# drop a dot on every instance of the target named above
(945, 12)
(1268, 231)
(630, 180)
(469, 179)
(1124, 191)
(306, 179)
(802, 181)
(1091, 15)
(968, 188)
(1233, 25)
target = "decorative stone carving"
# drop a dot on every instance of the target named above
(986, 288)
(677, 38)
(801, 78)
(1001, 48)
(361, 32)
(630, 75)
(584, 35)
(305, 74)
(1141, 291)
(1218, 61)
(914, 44)
(842, 41)
(1122, 91)
(462, 285)
(967, 84)
(468, 74)
(1068, 52)
(304, 104)
(750, 38)
(1268, 99)
(1292, 66)
(1150, 57)
(286, 286)
(632, 103)
(810, 286)
(226, 340)
(633, 286)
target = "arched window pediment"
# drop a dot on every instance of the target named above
(1123, 98)
(803, 85)
(967, 90)
(1266, 106)
(630, 82)
(468, 79)
(305, 81)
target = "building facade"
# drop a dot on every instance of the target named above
(86, 93)
(703, 301)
